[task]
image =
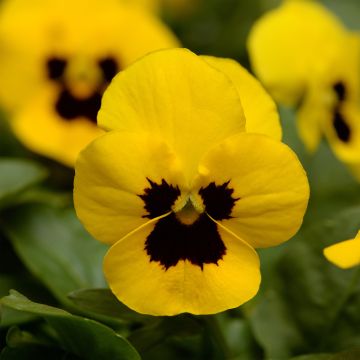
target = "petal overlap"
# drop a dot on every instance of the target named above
(112, 174)
(256, 102)
(197, 100)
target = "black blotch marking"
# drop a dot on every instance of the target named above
(69, 107)
(340, 90)
(171, 241)
(341, 127)
(218, 200)
(55, 67)
(159, 198)
(109, 68)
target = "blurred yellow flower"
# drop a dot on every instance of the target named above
(56, 59)
(308, 60)
(345, 254)
(178, 188)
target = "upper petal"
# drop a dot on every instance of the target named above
(176, 94)
(268, 187)
(291, 43)
(147, 287)
(259, 108)
(345, 254)
(111, 178)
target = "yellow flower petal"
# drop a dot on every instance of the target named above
(259, 108)
(315, 112)
(177, 95)
(148, 288)
(270, 188)
(42, 130)
(290, 44)
(112, 173)
(345, 254)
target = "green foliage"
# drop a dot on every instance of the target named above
(55, 247)
(78, 336)
(16, 176)
(313, 304)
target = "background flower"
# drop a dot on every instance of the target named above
(314, 68)
(55, 65)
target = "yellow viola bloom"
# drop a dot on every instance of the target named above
(345, 254)
(56, 59)
(307, 59)
(290, 44)
(181, 192)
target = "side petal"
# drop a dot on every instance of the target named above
(345, 254)
(110, 176)
(148, 288)
(268, 185)
(176, 94)
(285, 53)
(259, 108)
(313, 113)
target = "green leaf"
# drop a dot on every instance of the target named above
(13, 275)
(55, 247)
(160, 330)
(33, 353)
(274, 327)
(103, 302)
(353, 354)
(85, 338)
(313, 357)
(16, 176)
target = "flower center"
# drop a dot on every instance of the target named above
(81, 96)
(188, 214)
(187, 233)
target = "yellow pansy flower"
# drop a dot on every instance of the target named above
(345, 254)
(307, 59)
(56, 59)
(178, 188)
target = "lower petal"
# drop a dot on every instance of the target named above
(149, 288)
(43, 131)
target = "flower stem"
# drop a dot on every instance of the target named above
(212, 325)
